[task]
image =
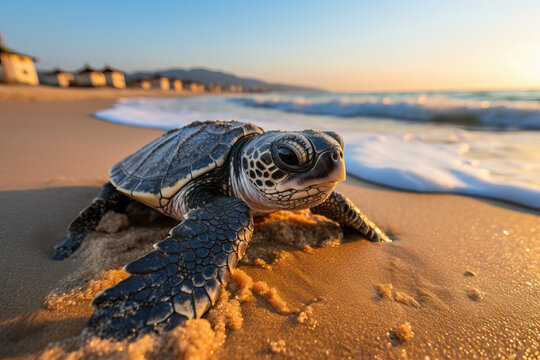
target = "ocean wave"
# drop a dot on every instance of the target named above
(439, 109)
(410, 156)
(443, 163)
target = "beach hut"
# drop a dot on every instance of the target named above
(114, 78)
(200, 87)
(193, 86)
(235, 88)
(90, 77)
(57, 77)
(141, 83)
(176, 84)
(215, 88)
(16, 67)
(160, 82)
(187, 84)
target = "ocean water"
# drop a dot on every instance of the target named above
(473, 143)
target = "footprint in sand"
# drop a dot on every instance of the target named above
(472, 292)
(387, 291)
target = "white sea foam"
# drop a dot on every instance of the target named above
(497, 113)
(412, 156)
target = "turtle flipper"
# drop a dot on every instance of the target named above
(181, 277)
(87, 221)
(341, 209)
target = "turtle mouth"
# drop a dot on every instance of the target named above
(328, 170)
(327, 185)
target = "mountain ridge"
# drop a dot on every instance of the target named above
(207, 76)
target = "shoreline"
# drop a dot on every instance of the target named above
(92, 105)
(109, 97)
(56, 155)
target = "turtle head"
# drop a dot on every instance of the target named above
(293, 170)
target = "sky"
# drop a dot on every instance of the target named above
(376, 45)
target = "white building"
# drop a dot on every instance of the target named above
(90, 77)
(58, 77)
(176, 84)
(160, 82)
(114, 78)
(193, 86)
(17, 68)
(141, 83)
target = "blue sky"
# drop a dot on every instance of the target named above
(338, 45)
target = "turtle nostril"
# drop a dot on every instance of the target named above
(335, 155)
(341, 154)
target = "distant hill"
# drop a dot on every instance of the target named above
(206, 76)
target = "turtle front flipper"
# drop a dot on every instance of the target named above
(341, 209)
(108, 199)
(181, 278)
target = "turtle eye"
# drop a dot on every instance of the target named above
(288, 156)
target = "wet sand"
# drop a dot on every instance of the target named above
(461, 279)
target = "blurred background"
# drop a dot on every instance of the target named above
(336, 46)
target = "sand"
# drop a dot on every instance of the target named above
(461, 279)
(53, 93)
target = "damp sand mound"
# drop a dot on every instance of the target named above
(125, 237)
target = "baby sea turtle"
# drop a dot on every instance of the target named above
(213, 177)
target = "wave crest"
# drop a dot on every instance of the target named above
(496, 114)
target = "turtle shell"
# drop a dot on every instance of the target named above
(155, 173)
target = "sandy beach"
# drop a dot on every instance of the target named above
(53, 93)
(461, 279)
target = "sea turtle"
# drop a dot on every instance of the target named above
(212, 176)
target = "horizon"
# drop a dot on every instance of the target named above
(340, 47)
(157, 71)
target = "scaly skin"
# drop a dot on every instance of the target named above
(182, 277)
(339, 208)
(108, 199)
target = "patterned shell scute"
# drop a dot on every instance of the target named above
(161, 168)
